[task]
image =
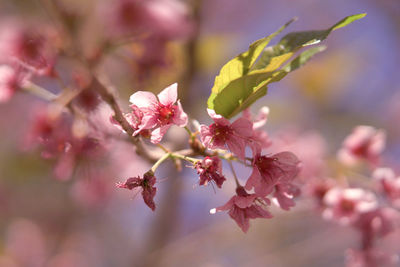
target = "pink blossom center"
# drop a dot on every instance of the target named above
(30, 47)
(165, 114)
(265, 163)
(320, 191)
(241, 192)
(220, 132)
(361, 150)
(347, 205)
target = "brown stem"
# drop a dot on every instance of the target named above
(109, 98)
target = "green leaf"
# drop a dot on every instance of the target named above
(347, 20)
(301, 59)
(296, 40)
(243, 79)
(241, 64)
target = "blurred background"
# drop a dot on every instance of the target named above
(86, 221)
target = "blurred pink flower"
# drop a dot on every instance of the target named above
(269, 171)
(210, 170)
(222, 134)
(345, 205)
(168, 19)
(146, 183)
(389, 184)
(310, 147)
(364, 143)
(159, 114)
(317, 188)
(243, 206)
(56, 141)
(24, 45)
(377, 224)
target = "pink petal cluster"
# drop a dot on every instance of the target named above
(146, 184)
(377, 223)
(244, 206)
(222, 134)
(163, 18)
(157, 113)
(210, 170)
(23, 45)
(57, 142)
(389, 184)
(346, 205)
(270, 171)
(364, 143)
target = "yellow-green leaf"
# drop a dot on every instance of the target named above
(243, 80)
(241, 64)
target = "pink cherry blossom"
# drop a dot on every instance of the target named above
(147, 185)
(269, 171)
(317, 188)
(168, 19)
(159, 113)
(364, 143)
(222, 134)
(389, 184)
(11, 79)
(377, 223)
(345, 205)
(210, 170)
(24, 45)
(244, 206)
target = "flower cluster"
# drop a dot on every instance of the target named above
(24, 52)
(373, 212)
(57, 141)
(272, 176)
(365, 143)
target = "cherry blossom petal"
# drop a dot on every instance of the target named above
(237, 146)
(169, 95)
(205, 136)
(243, 127)
(244, 202)
(180, 117)
(255, 211)
(143, 99)
(158, 133)
(238, 216)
